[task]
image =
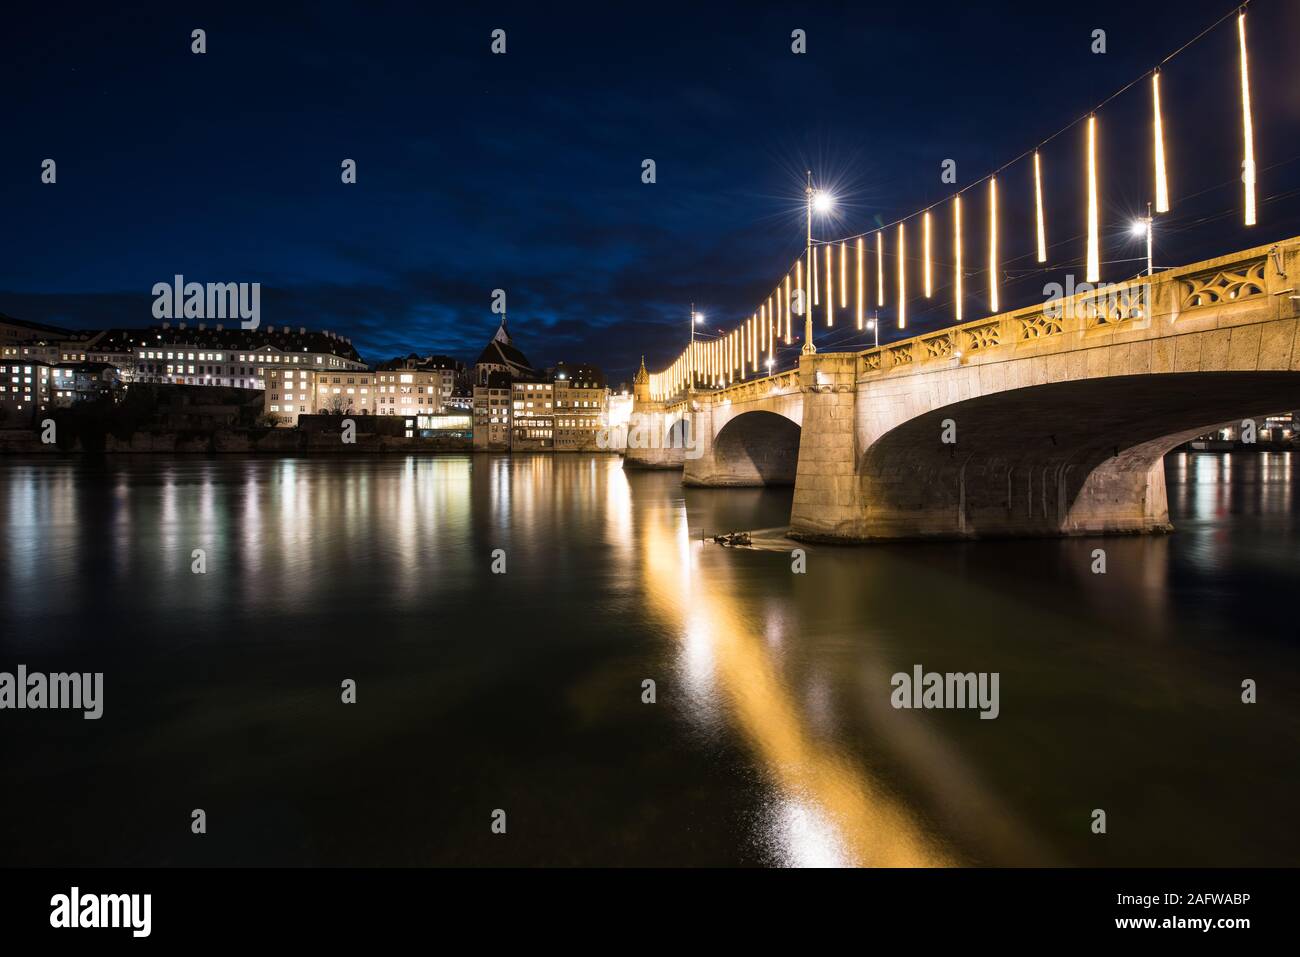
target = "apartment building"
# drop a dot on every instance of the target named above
(25, 391)
(532, 412)
(30, 388)
(237, 358)
(188, 355)
(581, 407)
(433, 381)
(492, 412)
(291, 393)
(411, 392)
(497, 368)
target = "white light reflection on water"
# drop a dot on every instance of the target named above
(802, 836)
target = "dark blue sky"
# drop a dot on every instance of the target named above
(522, 171)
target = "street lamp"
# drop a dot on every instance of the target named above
(822, 201)
(874, 324)
(696, 317)
(1144, 225)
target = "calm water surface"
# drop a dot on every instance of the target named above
(772, 740)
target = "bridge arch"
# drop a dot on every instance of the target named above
(751, 448)
(1072, 457)
(677, 431)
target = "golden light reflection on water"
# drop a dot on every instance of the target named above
(827, 811)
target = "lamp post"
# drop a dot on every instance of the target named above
(874, 324)
(1145, 224)
(695, 317)
(823, 201)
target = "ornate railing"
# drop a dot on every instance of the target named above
(744, 389)
(1094, 311)
(1238, 283)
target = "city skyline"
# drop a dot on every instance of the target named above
(58, 339)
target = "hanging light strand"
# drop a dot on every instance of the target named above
(830, 285)
(844, 276)
(902, 278)
(816, 291)
(1158, 146)
(861, 282)
(880, 267)
(803, 293)
(1038, 208)
(787, 309)
(1247, 126)
(925, 253)
(805, 286)
(771, 343)
(1093, 271)
(776, 297)
(993, 244)
(956, 257)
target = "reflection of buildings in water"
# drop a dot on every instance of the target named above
(1204, 488)
(120, 536)
(251, 529)
(42, 519)
(1206, 481)
(1275, 487)
(1176, 489)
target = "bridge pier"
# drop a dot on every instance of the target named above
(827, 497)
(655, 435)
(656, 439)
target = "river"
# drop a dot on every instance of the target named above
(500, 617)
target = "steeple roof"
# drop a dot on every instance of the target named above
(501, 351)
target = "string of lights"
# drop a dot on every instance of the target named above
(739, 353)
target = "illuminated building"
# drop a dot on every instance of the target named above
(581, 407)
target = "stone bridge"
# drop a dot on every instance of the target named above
(1050, 420)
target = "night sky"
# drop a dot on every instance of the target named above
(523, 171)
